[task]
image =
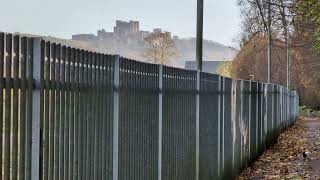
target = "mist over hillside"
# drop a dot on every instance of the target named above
(212, 51)
(133, 49)
(127, 41)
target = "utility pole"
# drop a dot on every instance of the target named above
(287, 40)
(269, 41)
(288, 57)
(199, 69)
(199, 34)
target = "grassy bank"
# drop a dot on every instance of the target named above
(306, 111)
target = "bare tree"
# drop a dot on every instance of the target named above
(255, 18)
(251, 61)
(159, 48)
(296, 19)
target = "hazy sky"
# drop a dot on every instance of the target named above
(62, 18)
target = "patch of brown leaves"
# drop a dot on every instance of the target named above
(295, 156)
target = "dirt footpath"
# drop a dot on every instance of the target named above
(295, 156)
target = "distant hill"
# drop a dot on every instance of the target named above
(67, 42)
(212, 51)
(132, 48)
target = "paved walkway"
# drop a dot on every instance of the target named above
(295, 156)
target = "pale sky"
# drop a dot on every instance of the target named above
(62, 18)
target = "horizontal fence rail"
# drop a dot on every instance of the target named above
(68, 113)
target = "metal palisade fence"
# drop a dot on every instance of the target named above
(68, 113)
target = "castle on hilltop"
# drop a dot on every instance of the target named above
(127, 39)
(122, 30)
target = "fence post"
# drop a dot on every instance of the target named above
(261, 118)
(219, 127)
(265, 116)
(287, 108)
(281, 106)
(272, 110)
(233, 119)
(257, 119)
(197, 124)
(249, 123)
(35, 144)
(241, 123)
(160, 122)
(116, 84)
(284, 108)
(222, 123)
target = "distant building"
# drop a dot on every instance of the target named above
(207, 66)
(102, 34)
(157, 30)
(168, 34)
(123, 28)
(129, 31)
(84, 37)
(142, 35)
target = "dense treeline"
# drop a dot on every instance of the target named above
(294, 24)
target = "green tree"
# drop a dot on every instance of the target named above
(309, 10)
